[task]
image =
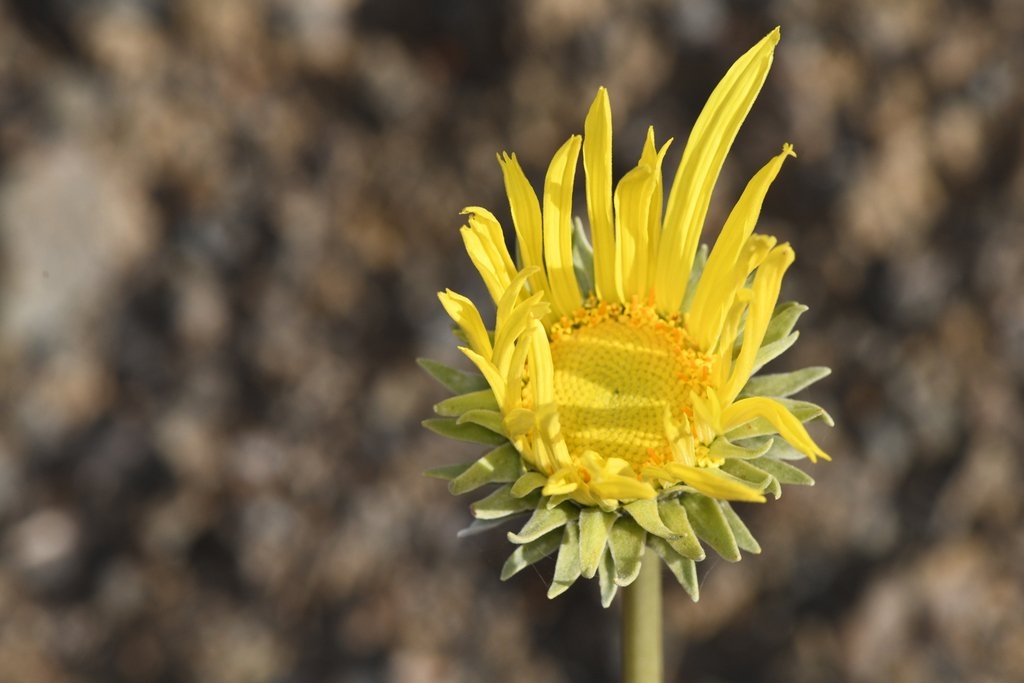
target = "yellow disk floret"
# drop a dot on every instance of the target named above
(623, 381)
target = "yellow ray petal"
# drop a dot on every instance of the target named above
(526, 217)
(735, 236)
(712, 136)
(558, 184)
(767, 284)
(465, 315)
(789, 428)
(714, 483)
(597, 164)
(485, 244)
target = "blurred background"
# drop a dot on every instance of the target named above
(222, 227)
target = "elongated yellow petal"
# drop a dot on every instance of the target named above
(465, 315)
(714, 483)
(722, 263)
(712, 136)
(653, 158)
(632, 205)
(526, 217)
(489, 371)
(767, 284)
(565, 291)
(789, 428)
(597, 164)
(485, 244)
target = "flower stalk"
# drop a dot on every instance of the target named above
(642, 658)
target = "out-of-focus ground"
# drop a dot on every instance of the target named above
(222, 226)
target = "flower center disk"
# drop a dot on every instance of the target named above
(623, 381)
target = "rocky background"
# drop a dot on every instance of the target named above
(222, 225)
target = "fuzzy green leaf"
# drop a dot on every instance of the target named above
(711, 526)
(594, 527)
(626, 542)
(606, 579)
(501, 503)
(567, 566)
(744, 539)
(448, 472)
(542, 521)
(474, 400)
(529, 553)
(500, 466)
(783, 472)
(456, 381)
(769, 352)
(467, 431)
(683, 568)
(784, 384)
(528, 483)
(645, 513)
(479, 526)
(783, 321)
(490, 420)
(685, 541)
(721, 447)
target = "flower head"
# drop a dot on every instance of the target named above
(617, 383)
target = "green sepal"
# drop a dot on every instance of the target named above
(456, 381)
(447, 472)
(582, 258)
(700, 259)
(685, 540)
(467, 431)
(542, 521)
(463, 403)
(501, 503)
(683, 568)
(783, 450)
(753, 475)
(530, 553)
(594, 527)
(606, 580)
(645, 513)
(500, 466)
(744, 539)
(490, 420)
(721, 447)
(711, 526)
(769, 352)
(783, 321)
(479, 526)
(567, 566)
(528, 483)
(784, 384)
(784, 473)
(626, 543)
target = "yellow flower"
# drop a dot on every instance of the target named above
(616, 382)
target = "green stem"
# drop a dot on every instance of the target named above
(642, 660)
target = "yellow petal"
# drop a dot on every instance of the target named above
(526, 218)
(558, 184)
(767, 284)
(715, 483)
(712, 136)
(727, 252)
(788, 427)
(597, 164)
(465, 315)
